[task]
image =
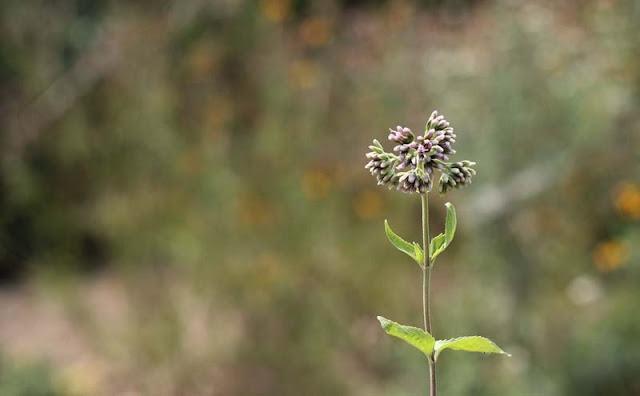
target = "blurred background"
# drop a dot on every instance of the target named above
(184, 208)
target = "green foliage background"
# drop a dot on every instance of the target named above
(184, 182)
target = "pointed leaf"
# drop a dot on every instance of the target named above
(450, 223)
(437, 246)
(469, 344)
(413, 336)
(401, 244)
(419, 253)
(440, 242)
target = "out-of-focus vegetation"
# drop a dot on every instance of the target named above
(184, 209)
(26, 380)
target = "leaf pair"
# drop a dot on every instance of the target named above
(437, 245)
(424, 342)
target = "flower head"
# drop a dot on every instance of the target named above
(382, 164)
(459, 175)
(410, 166)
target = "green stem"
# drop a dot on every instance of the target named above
(426, 287)
(432, 376)
(426, 266)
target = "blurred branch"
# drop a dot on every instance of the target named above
(102, 57)
(496, 200)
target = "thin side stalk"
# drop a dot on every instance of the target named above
(426, 287)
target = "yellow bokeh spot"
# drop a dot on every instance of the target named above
(611, 255)
(316, 31)
(627, 200)
(275, 10)
(81, 378)
(316, 184)
(367, 204)
(303, 74)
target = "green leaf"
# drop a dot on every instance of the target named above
(469, 344)
(440, 242)
(402, 245)
(437, 246)
(419, 253)
(413, 336)
(450, 223)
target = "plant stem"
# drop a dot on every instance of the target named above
(426, 266)
(426, 287)
(432, 376)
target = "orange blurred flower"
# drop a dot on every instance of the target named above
(316, 31)
(367, 204)
(254, 210)
(275, 10)
(627, 200)
(316, 184)
(611, 255)
(399, 14)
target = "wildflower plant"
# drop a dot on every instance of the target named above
(411, 167)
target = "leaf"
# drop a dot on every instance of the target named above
(402, 245)
(450, 223)
(419, 253)
(439, 243)
(469, 344)
(413, 336)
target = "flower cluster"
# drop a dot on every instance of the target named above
(411, 165)
(459, 174)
